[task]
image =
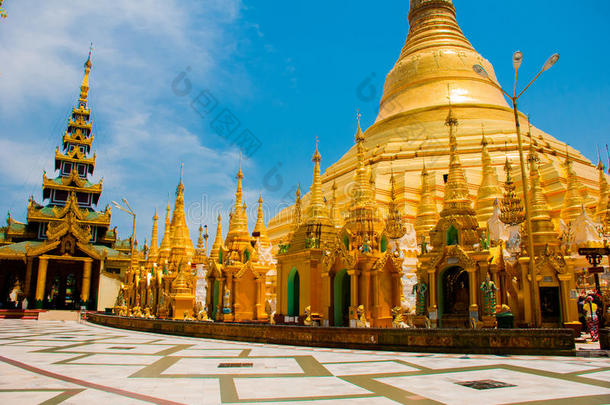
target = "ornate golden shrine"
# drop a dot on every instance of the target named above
(66, 249)
(238, 268)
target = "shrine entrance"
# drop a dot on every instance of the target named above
(293, 288)
(63, 286)
(454, 298)
(341, 299)
(550, 307)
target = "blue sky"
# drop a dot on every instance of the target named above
(287, 71)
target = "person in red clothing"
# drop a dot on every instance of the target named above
(590, 309)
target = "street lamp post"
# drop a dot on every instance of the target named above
(480, 70)
(131, 212)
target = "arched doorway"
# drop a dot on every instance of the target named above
(341, 300)
(215, 298)
(293, 288)
(454, 298)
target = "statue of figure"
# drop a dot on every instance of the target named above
(366, 246)
(308, 321)
(227, 301)
(489, 296)
(15, 293)
(420, 290)
(187, 316)
(148, 314)
(362, 322)
(137, 312)
(397, 321)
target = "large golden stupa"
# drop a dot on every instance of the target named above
(433, 73)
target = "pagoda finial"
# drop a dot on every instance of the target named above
(543, 229)
(297, 207)
(216, 247)
(153, 252)
(601, 210)
(427, 213)
(362, 190)
(84, 87)
(181, 244)
(572, 199)
(600, 165)
(260, 229)
(359, 135)
(456, 188)
(489, 190)
(316, 208)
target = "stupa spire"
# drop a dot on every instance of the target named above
(84, 87)
(362, 192)
(297, 208)
(317, 208)
(456, 188)
(543, 229)
(427, 213)
(215, 252)
(182, 246)
(601, 210)
(395, 227)
(166, 242)
(489, 190)
(153, 252)
(333, 208)
(572, 199)
(260, 229)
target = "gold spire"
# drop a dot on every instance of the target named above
(427, 214)
(181, 244)
(84, 87)
(334, 215)
(166, 243)
(489, 190)
(297, 208)
(512, 210)
(543, 229)
(395, 226)
(215, 252)
(456, 188)
(260, 229)
(317, 208)
(154, 250)
(362, 192)
(601, 211)
(239, 223)
(571, 201)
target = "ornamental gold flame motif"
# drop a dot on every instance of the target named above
(511, 208)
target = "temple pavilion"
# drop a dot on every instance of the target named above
(63, 256)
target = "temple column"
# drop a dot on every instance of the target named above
(86, 284)
(526, 291)
(209, 297)
(41, 281)
(28, 276)
(353, 278)
(569, 308)
(432, 290)
(258, 313)
(366, 289)
(326, 299)
(221, 298)
(473, 287)
(235, 282)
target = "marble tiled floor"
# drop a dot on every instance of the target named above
(52, 362)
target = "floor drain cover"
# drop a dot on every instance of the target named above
(234, 365)
(485, 384)
(122, 347)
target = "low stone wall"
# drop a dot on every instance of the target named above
(480, 341)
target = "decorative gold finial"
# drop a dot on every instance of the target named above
(512, 211)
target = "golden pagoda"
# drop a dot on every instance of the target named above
(66, 239)
(338, 273)
(237, 268)
(409, 129)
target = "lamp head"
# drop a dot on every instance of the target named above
(480, 70)
(517, 59)
(550, 62)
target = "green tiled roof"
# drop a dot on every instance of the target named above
(19, 247)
